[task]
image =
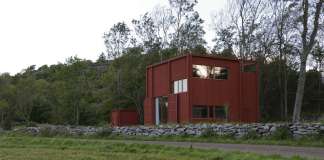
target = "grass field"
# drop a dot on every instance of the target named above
(38, 148)
(305, 141)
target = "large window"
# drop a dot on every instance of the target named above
(210, 72)
(211, 112)
(180, 86)
(199, 111)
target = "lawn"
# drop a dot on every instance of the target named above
(41, 148)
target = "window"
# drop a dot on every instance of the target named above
(180, 86)
(200, 111)
(211, 112)
(209, 72)
(220, 112)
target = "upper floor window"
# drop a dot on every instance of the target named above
(180, 86)
(209, 72)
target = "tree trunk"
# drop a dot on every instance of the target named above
(286, 91)
(300, 89)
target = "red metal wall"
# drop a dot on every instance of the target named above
(201, 91)
(124, 117)
(217, 92)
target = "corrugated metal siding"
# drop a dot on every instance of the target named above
(202, 91)
(124, 117)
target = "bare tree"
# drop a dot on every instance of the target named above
(308, 38)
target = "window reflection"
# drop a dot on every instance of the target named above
(203, 71)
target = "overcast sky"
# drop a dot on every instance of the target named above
(38, 32)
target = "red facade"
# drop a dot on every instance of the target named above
(195, 88)
(124, 117)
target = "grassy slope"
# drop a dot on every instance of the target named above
(36, 148)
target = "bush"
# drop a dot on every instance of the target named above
(31, 124)
(105, 132)
(52, 132)
(251, 134)
(6, 124)
(282, 133)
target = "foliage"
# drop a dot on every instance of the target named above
(104, 132)
(282, 133)
(251, 134)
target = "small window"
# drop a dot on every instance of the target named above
(220, 112)
(200, 111)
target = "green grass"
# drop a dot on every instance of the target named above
(305, 141)
(40, 148)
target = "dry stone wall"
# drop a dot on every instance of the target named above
(236, 130)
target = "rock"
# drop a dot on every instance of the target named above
(273, 129)
(321, 128)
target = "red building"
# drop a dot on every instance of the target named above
(124, 117)
(196, 88)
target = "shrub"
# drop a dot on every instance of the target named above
(6, 124)
(251, 134)
(282, 133)
(52, 132)
(31, 124)
(104, 132)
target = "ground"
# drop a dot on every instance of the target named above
(39, 148)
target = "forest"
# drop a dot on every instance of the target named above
(285, 37)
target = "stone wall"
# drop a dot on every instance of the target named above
(237, 130)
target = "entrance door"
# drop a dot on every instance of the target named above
(161, 110)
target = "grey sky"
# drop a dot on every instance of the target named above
(49, 31)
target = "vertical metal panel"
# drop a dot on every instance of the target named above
(148, 111)
(124, 117)
(160, 80)
(172, 108)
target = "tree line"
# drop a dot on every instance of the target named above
(285, 37)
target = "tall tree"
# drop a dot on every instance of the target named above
(308, 38)
(117, 40)
(148, 33)
(192, 33)
(180, 9)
